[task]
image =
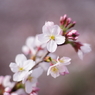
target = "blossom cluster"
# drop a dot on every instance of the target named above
(39, 57)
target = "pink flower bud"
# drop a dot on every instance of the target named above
(69, 20)
(73, 34)
(63, 19)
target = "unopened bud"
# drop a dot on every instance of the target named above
(73, 34)
(63, 19)
(68, 21)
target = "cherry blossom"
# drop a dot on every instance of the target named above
(30, 79)
(21, 67)
(85, 48)
(52, 36)
(59, 68)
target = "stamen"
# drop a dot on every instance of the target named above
(21, 69)
(52, 37)
(29, 78)
(54, 69)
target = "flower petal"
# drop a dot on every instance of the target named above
(86, 48)
(51, 46)
(26, 76)
(46, 29)
(66, 60)
(65, 71)
(30, 42)
(80, 54)
(25, 50)
(28, 64)
(29, 86)
(54, 74)
(43, 38)
(13, 67)
(19, 76)
(60, 39)
(55, 30)
(20, 58)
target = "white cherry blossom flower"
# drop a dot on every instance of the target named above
(51, 35)
(21, 67)
(81, 48)
(85, 48)
(30, 79)
(59, 68)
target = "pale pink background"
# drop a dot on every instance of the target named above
(22, 18)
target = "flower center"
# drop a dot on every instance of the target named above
(21, 69)
(29, 78)
(54, 69)
(52, 37)
(61, 61)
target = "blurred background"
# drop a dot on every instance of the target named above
(20, 19)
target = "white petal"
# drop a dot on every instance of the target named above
(46, 29)
(13, 67)
(30, 42)
(37, 42)
(19, 76)
(28, 86)
(51, 46)
(49, 23)
(42, 38)
(65, 71)
(37, 72)
(25, 50)
(66, 60)
(80, 54)
(48, 72)
(20, 91)
(28, 64)
(26, 76)
(55, 30)
(86, 48)
(60, 39)
(20, 58)
(53, 74)
(61, 68)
